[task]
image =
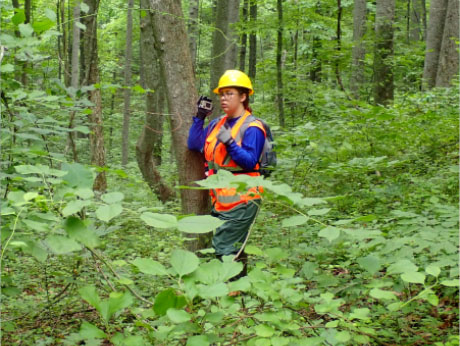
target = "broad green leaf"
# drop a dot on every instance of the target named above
(264, 330)
(74, 207)
(450, 283)
(318, 212)
(19, 17)
(295, 220)
(370, 263)
(215, 317)
(77, 229)
(89, 294)
(184, 262)
(402, 266)
(433, 270)
(276, 254)
(330, 233)
(253, 250)
(113, 197)
(84, 193)
(61, 245)
(36, 250)
(84, 7)
(199, 224)
(16, 198)
(342, 336)
(242, 284)
(230, 269)
(108, 212)
(26, 30)
(117, 302)
(395, 306)
(159, 220)
(125, 281)
(149, 266)
(80, 25)
(50, 14)
(167, 299)
(212, 291)
(6, 68)
(126, 340)
(42, 25)
(308, 202)
(360, 313)
(377, 293)
(78, 175)
(178, 316)
(90, 331)
(413, 277)
(198, 340)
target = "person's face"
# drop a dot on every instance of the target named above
(231, 101)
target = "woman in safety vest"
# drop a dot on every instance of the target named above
(233, 142)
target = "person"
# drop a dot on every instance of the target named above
(225, 147)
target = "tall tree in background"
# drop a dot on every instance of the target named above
(434, 40)
(359, 49)
(383, 52)
(127, 85)
(448, 55)
(148, 147)
(90, 77)
(252, 40)
(224, 43)
(177, 72)
(244, 36)
(279, 64)
(415, 16)
(193, 28)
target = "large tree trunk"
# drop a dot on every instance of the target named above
(359, 49)
(383, 53)
(176, 67)
(224, 43)
(244, 36)
(434, 40)
(279, 64)
(416, 13)
(448, 56)
(252, 41)
(127, 91)
(193, 29)
(91, 77)
(149, 143)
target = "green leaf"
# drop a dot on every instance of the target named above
(50, 14)
(159, 220)
(113, 197)
(199, 224)
(360, 313)
(276, 254)
(370, 263)
(89, 331)
(6, 68)
(84, 7)
(318, 212)
(377, 293)
(26, 30)
(450, 283)
(117, 302)
(178, 316)
(253, 250)
(149, 266)
(61, 245)
(342, 336)
(395, 306)
(168, 299)
(264, 330)
(36, 250)
(19, 16)
(74, 207)
(295, 220)
(78, 175)
(89, 294)
(42, 25)
(433, 270)
(308, 202)
(413, 277)
(212, 291)
(184, 262)
(80, 25)
(108, 212)
(77, 229)
(402, 266)
(330, 233)
(198, 340)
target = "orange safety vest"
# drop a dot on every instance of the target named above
(217, 158)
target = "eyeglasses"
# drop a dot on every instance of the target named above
(226, 95)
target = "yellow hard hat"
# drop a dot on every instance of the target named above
(234, 78)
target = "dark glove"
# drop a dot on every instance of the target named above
(204, 107)
(225, 134)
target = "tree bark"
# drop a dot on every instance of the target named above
(193, 29)
(383, 53)
(279, 67)
(244, 36)
(91, 77)
(149, 141)
(448, 56)
(224, 43)
(415, 28)
(359, 49)
(252, 41)
(127, 90)
(433, 41)
(176, 68)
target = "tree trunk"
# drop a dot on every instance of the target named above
(448, 56)
(151, 135)
(252, 41)
(279, 65)
(383, 53)
(359, 49)
(339, 45)
(433, 41)
(91, 77)
(224, 44)
(193, 29)
(127, 90)
(415, 29)
(244, 36)
(315, 69)
(177, 71)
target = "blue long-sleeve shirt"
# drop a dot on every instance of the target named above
(246, 156)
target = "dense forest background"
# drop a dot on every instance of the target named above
(105, 235)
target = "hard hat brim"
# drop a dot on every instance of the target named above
(217, 90)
